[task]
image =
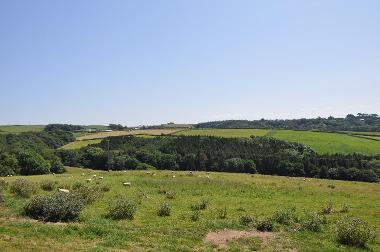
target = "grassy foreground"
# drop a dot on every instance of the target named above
(321, 142)
(239, 194)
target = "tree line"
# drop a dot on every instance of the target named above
(264, 155)
(360, 122)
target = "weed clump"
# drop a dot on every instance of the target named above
(265, 224)
(285, 216)
(170, 195)
(121, 208)
(246, 220)
(328, 208)
(55, 207)
(195, 215)
(164, 210)
(354, 232)
(222, 213)
(88, 194)
(23, 188)
(202, 205)
(47, 185)
(313, 222)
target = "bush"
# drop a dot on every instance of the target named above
(88, 194)
(23, 188)
(195, 215)
(3, 184)
(202, 205)
(121, 208)
(55, 207)
(284, 216)
(265, 224)
(222, 213)
(105, 188)
(328, 208)
(164, 209)
(47, 185)
(246, 220)
(353, 231)
(32, 163)
(313, 222)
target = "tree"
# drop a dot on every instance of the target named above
(32, 163)
(8, 164)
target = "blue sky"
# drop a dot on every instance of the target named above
(149, 62)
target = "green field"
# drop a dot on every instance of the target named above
(5, 129)
(321, 142)
(240, 194)
(80, 144)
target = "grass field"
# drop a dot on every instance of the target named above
(321, 142)
(238, 194)
(152, 132)
(5, 129)
(80, 144)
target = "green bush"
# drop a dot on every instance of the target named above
(202, 205)
(23, 188)
(3, 184)
(246, 220)
(313, 222)
(164, 209)
(353, 231)
(285, 216)
(121, 208)
(88, 194)
(47, 185)
(265, 224)
(195, 215)
(55, 207)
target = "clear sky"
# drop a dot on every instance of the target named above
(148, 62)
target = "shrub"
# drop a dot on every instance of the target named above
(246, 220)
(121, 208)
(202, 205)
(105, 188)
(3, 184)
(313, 222)
(195, 215)
(164, 209)
(23, 188)
(47, 185)
(353, 231)
(55, 207)
(284, 216)
(222, 213)
(328, 208)
(265, 224)
(88, 194)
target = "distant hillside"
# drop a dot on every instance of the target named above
(360, 122)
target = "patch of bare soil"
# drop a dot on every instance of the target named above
(20, 219)
(220, 238)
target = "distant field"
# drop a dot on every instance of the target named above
(151, 132)
(5, 129)
(237, 194)
(320, 141)
(80, 144)
(224, 132)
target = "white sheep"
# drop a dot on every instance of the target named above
(88, 180)
(127, 184)
(63, 190)
(100, 177)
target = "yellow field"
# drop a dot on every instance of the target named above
(149, 132)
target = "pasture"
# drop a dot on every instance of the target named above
(6, 129)
(322, 142)
(233, 195)
(149, 132)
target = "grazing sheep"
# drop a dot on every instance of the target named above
(173, 176)
(94, 175)
(100, 177)
(63, 190)
(82, 174)
(88, 180)
(127, 184)
(147, 172)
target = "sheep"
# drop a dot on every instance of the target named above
(100, 177)
(148, 172)
(82, 174)
(127, 184)
(88, 180)
(94, 175)
(173, 176)
(63, 190)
